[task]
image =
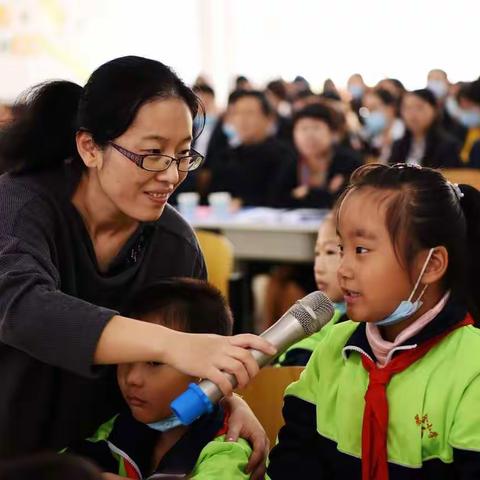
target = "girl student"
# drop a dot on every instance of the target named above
(394, 393)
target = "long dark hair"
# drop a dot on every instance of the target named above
(428, 212)
(43, 136)
(433, 138)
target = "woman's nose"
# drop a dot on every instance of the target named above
(170, 175)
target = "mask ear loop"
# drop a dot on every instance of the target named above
(425, 265)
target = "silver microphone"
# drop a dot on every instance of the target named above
(305, 317)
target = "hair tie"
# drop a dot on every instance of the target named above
(456, 190)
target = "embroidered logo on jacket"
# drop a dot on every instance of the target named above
(426, 426)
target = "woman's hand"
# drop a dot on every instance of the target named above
(243, 423)
(300, 192)
(208, 356)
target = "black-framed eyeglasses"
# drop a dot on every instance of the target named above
(158, 162)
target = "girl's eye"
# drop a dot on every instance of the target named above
(361, 250)
(331, 251)
(340, 249)
(154, 364)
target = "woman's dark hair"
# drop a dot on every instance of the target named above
(185, 304)
(386, 97)
(278, 88)
(43, 136)
(470, 91)
(204, 88)
(265, 106)
(426, 95)
(316, 111)
(425, 212)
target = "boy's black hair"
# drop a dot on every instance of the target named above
(265, 106)
(184, 304)
(317, 111)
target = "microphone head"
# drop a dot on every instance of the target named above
(313, 311)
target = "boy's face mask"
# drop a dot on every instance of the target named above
(166, 424)
(407, 308)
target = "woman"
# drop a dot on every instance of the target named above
(381, 124)
(84, 223)
(323, 167)
(424, 143)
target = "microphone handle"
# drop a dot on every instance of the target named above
(215, 394)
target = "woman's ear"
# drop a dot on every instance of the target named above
(88, 150)
(437, 266)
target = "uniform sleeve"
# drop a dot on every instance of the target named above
(297, 452)
(35, 315)
(465, 433)
(225, 460)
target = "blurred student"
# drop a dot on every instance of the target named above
(250, 170)
(424, 142)
(469, 115)
(327, 261)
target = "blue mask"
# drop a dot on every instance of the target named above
(209, 120)
(356, 91)
(438, 87)
(375, 123)
(452, 107)
(470, 118)
(166, 424)
(407, 308)
(340, 307)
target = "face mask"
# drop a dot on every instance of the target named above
(452, 107)
(209, 121)
(375, 123)
(356, 91)
(231, 134)
(438, 87)
(165, 424)
(340, 307)
(407, 308)
(470, 118)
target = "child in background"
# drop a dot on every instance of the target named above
(327, 260)
(146, 439)
(395, 393)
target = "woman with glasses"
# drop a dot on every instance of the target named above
(84, 222)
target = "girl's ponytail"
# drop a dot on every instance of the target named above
(470, 203)
(43, 134)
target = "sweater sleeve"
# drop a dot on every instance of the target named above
(221, 459)
(36, 317)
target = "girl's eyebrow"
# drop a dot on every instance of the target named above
(362, 233)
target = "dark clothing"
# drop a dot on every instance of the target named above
(344, 162)
(453, 127)
(251, 172)
(442, 150)
(474, 157)
(132, 442)
(55, 304)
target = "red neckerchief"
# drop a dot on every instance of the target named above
(375, 415)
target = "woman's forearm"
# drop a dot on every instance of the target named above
(126, 340)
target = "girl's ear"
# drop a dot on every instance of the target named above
(437, 266)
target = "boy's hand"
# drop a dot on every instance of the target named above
(243, 423)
